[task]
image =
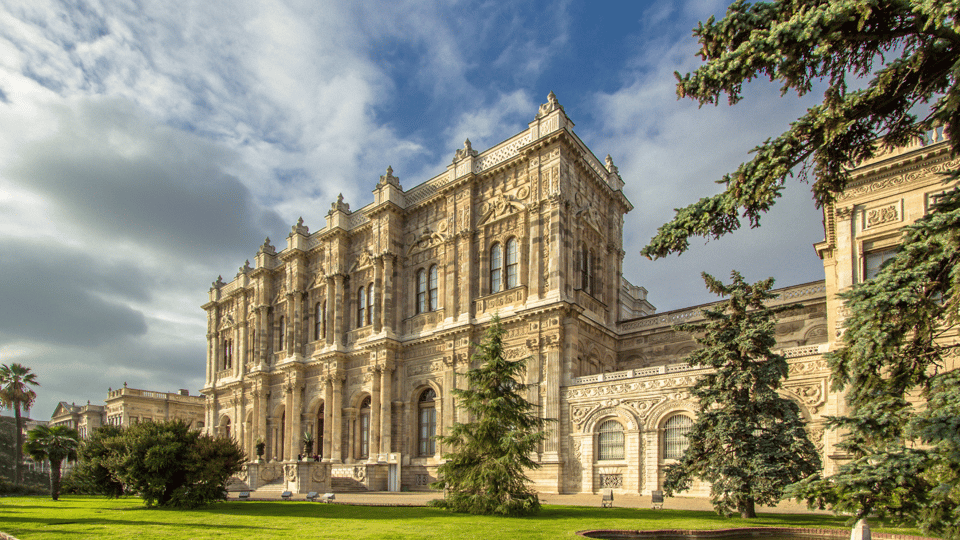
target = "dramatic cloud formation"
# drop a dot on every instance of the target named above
(146, 148)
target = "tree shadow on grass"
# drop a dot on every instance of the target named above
(10, 523)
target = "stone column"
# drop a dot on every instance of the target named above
(551, 409)
(465, 268)
(376, 303)
(262, 330)
(329, 296)
(211, 357)
(336, 453)
(240, 354)
(389, 311)
(374, 436)
(328, 409)
(386, 407)
(339, 318)
(406, 446)
(215, 343)
(296, 418)
(255, 424)
(287, 421)
(297, 340)
(237, 411)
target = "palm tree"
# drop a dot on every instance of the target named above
(16, 394)
(55, 444)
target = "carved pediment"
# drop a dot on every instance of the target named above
(502, 205)
(226, 322)
(319, 279)
(591, 217)
(426, 238)
(364, 260)
(281, 294)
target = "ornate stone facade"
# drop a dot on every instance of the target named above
(353, 335)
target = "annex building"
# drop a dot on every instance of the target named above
(353, 335)
(126, 406)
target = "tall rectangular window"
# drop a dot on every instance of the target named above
(496, 268)
(513, 266)
(874, 260)
(433, 288)
(421, 291)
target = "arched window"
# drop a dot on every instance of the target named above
(427, 423)
(370, 303)
(323, 329)
(512, 265)
(433, 289)
(675, 432)
(361, 306)
(281, 330)
(610, 440)
(226, 426)
(318, 321)
(421, 291)
(496, 268)
(365, 428)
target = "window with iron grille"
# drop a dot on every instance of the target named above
(675, 432)
(610, 440)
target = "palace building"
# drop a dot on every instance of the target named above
(354, 335)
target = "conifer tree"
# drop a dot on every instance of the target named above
(890, 68)
(747, 440)
(902, 427)
(484, 470)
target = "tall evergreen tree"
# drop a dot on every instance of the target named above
(747, 440)
(15, 393)
(484, 470)
(900, 335)
(882, 62)
(54, 444)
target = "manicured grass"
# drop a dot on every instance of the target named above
(30, 518)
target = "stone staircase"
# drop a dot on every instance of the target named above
(346, 485)
(269, 491)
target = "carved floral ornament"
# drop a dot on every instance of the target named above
(879, 216)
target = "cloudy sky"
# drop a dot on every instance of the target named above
(146, 147)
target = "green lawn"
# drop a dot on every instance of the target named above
(30, 518)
